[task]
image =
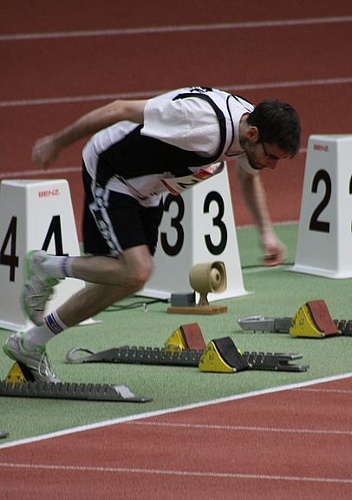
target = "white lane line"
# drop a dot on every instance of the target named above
(167, 411)
(170, 472)
(175, 29)
(244, 428)
(147, 94)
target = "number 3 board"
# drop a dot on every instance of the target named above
(197, 227)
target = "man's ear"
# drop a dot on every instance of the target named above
(252, 133)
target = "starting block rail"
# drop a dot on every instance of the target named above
(20, 382)
(345, 326)
(191, 358)
(87, 392)
(137, 355)
(276, 361)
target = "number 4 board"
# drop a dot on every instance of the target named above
(34, 215)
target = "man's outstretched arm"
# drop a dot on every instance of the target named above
(47, 149)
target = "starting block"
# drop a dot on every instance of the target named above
(18, 374)
(20, 383)
(220, 355)
(312, 320)
(186, 337)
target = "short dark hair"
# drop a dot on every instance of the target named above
(277, 123)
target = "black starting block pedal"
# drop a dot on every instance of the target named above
(222, 356)
(86, 392)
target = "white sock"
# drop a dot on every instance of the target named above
(38, 336)
(58, 267)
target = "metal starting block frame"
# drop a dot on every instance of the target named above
(186, 358)
(257, 323)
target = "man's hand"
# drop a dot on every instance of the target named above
(45, 151)
(274, 251)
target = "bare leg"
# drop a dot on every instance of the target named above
(88, 302)
(132, 267)
(111, 280)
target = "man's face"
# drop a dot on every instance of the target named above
(262, 155)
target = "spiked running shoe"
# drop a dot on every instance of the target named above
(38, 288)
(36, 361)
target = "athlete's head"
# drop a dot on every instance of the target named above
(271, 132)
(277, 123)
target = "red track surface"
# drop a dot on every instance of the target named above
(292, 444)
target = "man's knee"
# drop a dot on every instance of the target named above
(140, 274)
(139, 266)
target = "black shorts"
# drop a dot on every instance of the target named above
(114, 222)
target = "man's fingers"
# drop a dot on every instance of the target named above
(271, 260)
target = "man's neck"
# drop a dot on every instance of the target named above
(234, 149)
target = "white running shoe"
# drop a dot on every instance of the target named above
(38, 288)
(37, 361)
